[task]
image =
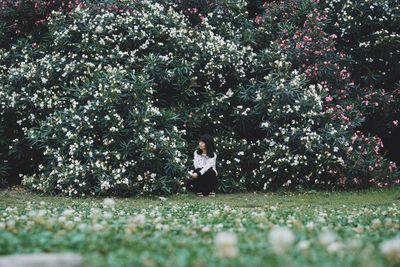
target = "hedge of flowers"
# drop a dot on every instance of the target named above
(368, 32)
(112, 99)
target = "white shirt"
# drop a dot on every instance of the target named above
(204, 162)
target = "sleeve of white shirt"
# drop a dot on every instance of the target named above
(196, 162)
(210, 163)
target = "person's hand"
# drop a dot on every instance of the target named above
(194, 175)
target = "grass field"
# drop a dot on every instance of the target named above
(252, 229)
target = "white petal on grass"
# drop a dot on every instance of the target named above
(391, 249)
(334, 247)
(109, 202)
(281, 239)
(303, 245)
(326, 237)
(226, 244)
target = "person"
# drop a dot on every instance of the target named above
(204, 172)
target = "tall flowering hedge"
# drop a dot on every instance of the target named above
(112, 100)
(368, 31)
(28, 18)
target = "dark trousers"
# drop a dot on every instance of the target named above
(205, 183)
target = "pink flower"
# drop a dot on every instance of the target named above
(328, 98)
(393, 165)
(370, 168)
(396, 122)
(258, 19)
(307, 38)
(343, 74)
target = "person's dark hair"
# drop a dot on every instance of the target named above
(210, 146)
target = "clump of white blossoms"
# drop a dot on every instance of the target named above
(303, 245)
(334, 247)
(376, 223)
(281, 239)
(133, 223)
(68, 212)
(226, 244)
(108, 202)
(391, 249)
(326, 237)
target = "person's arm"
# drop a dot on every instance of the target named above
(196, 160)
(210, 163)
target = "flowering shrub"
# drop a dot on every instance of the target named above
(110, 142)
(97, 124)
(301, 146)
(368, 32)
(234, 162)
(27, 19)
(313, 52)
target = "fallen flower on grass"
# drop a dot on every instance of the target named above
(226, 244)
(281, 238)
(391, 249)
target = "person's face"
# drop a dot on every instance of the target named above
(202, 145)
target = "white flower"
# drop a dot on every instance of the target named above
(229, 93)
(326, 237)
(68, 212)
(98, 227)
(206, 229)
(391, 249)
(139, 220)
(334, 247)
(376, 223)
(303, 245)
(95, 211)
(98, 29)
(310, 225)
(226, 243)
(354, 243)
(265, 124)
(281, 238)
(105, 185)
(109, 202)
